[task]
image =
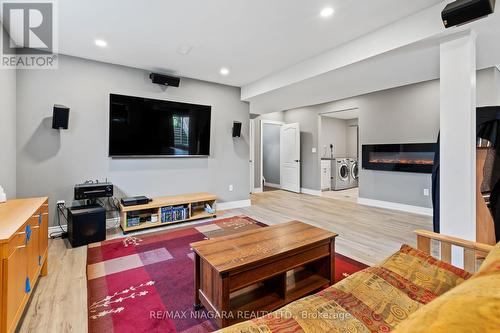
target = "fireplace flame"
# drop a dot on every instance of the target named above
(402, 161)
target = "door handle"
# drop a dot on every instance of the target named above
(297, 161)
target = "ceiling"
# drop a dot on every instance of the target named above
(252, 38)
(392, 67)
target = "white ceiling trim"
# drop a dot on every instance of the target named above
(410, 30)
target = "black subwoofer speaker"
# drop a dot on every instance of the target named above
(60, 117)
(86, 225)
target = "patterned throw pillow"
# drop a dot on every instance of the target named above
(473, 306)
(425, 271)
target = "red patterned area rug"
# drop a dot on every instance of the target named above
(145, 283)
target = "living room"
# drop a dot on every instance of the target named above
(135, 184)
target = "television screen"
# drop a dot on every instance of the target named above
(148, 127)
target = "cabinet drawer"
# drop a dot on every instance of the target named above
(18, 240)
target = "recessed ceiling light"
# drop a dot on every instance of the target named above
(101, 43)
(326, 12)
(224, 71)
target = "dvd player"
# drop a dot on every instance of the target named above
(134, 201)
(93, 191)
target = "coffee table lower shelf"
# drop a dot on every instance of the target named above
(265, 298)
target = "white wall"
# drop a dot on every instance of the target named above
(51, 162)
(8, 132)
(457, 169)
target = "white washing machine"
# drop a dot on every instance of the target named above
(340, 174)
(353, 172)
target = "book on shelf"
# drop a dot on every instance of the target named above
(172, 214)
(133, 221)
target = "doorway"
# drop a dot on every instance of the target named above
(280, 156)
(339, 154)
(270, 155)
(271, 142)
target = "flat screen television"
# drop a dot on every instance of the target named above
(143, 127)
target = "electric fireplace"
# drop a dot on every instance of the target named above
(409, 157)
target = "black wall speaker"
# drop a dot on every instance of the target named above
(165, 80)
(86, 225)
(60, 117)
(465, 11)
(236, 129)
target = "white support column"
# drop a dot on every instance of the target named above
(458, 138)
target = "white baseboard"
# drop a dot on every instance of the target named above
(273, 185)
(311, 192)
(396, 206)
(257, 190)
(233, 204)
(56, 228)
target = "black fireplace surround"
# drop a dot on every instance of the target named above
(406, 157)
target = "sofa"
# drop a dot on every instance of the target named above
(411, 291)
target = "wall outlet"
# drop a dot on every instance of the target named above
(61, 202)
(314, 150)
(426, 192)
(231, 188)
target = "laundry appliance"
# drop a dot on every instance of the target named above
(340, 174)
(353, 172)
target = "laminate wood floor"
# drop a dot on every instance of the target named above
(351, 195)
(59, 302)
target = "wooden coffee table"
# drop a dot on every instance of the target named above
(248, 274)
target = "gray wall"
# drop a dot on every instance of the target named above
(401, 115)
(309, 138)
(271, 153)
(8, 132)
(332, 131)
(51, 162)
(352, 144)
(488, 87)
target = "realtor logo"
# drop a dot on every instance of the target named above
(28, 36)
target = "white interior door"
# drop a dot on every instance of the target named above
(290, 157)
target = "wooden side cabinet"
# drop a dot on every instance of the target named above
(24, 251)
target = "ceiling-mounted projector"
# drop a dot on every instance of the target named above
(465, 11)
(165, 80)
